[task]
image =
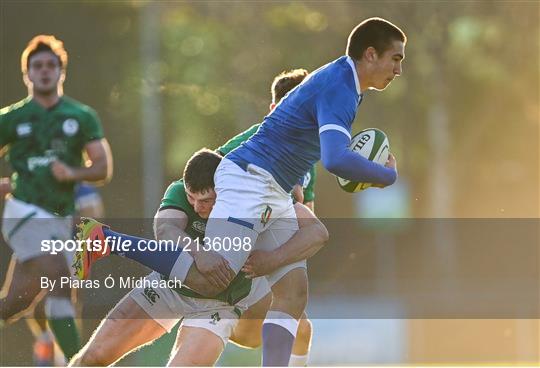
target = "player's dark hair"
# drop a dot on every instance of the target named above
(286, 81)
(44, 43)
(200, 169)
(375, 32)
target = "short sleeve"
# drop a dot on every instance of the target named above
(175, 197)
(7, 133)
(237, 140)
(92, 128)
(335, 108)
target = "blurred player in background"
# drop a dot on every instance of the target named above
(45, 136)
(88, 203)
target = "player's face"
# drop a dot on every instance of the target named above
(202, 202)
(387, 66)
(44, 72)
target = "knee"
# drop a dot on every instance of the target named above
(248, 339)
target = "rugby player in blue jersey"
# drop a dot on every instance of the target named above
(313, 122)
(253, 183)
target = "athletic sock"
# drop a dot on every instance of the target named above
(298, 360)
(44, 349)
(161, 261)
(60, 315)
(278, 333)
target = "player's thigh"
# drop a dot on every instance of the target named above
(23, 281)
(248, 202)
(233, 238)
(278, 233)
(125, 328)
(20, 290)
(30, 231)
(196, 346)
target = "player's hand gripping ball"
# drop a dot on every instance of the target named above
(372, 144)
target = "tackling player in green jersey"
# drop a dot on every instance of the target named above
(207, 323)
(200, 341)
(45, 136)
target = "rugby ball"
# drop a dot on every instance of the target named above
(372, 144)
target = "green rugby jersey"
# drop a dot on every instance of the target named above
(308, 182)
(175, 197)
(36, 136)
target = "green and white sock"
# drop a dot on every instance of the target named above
(61, 317)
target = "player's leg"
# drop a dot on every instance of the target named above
(44, 343)
(196, 347)
(20, 288)
(126, 328)
(173, 263)
(247, 333)
(302, 343)
(25, 227)
(281, 324)
(203, 336)
(60, 313)
(43, 351)
(289, 289)
(25, 287)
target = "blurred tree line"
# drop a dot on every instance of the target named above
(471, 72)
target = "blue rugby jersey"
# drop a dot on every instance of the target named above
(287, 144)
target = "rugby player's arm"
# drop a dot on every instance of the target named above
(98, 169)
(5, 182)
(306, 242)
(170, 224)
(339, 160)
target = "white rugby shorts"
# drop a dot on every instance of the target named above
(251, 205)
(25, 225)
(167, 308)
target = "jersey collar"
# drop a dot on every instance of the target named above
(40, 107)
(350, 61)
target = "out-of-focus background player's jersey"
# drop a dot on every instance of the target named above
(36, 137)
